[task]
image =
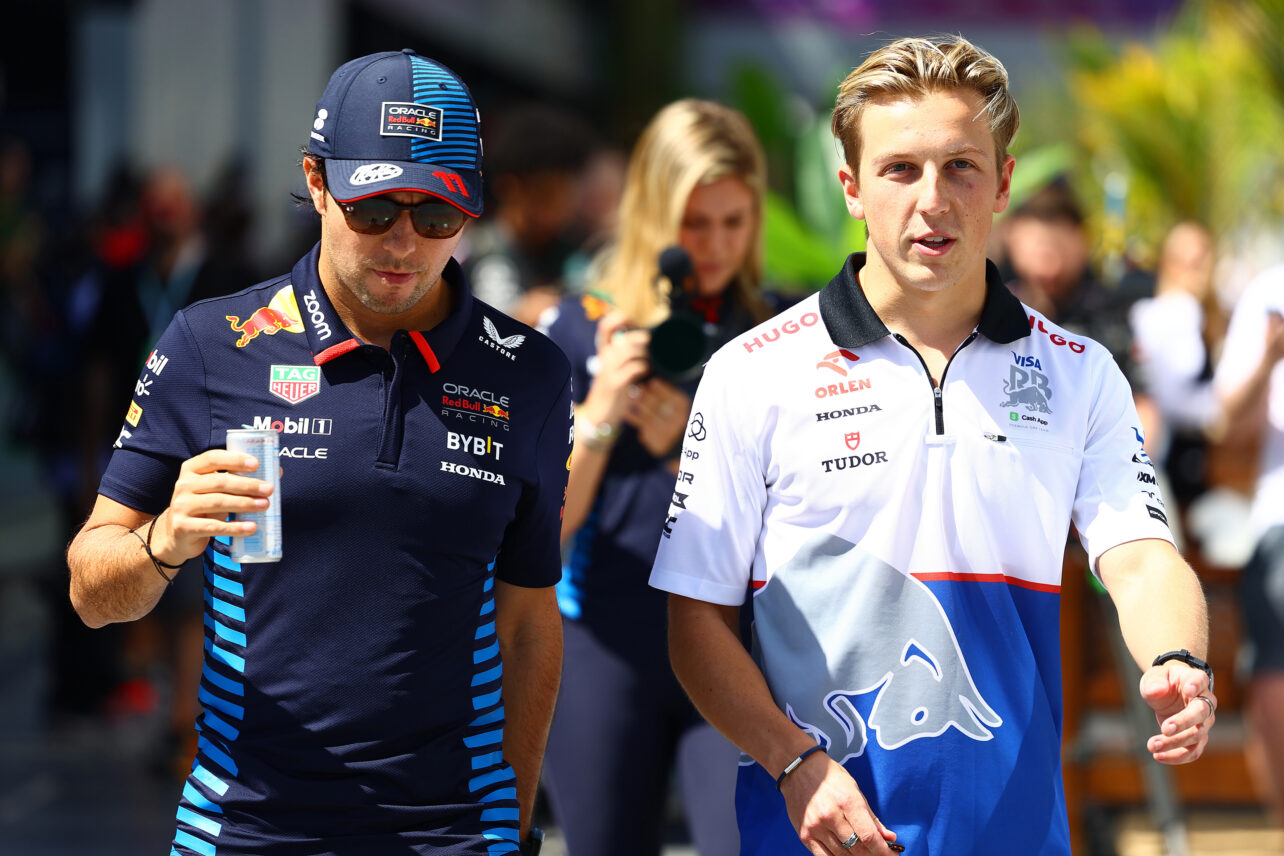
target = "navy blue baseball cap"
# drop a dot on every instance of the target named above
(398, 121)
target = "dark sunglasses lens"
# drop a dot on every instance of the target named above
(370, 216)
(437, 219)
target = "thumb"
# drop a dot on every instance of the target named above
(1159, 688)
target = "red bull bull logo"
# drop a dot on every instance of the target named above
(496, 411)
(262, 320)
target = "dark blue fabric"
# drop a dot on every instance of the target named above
(352, 690)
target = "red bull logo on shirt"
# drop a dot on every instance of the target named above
(473, 410)
(281, 313)
(908, 680)
(1028, 388)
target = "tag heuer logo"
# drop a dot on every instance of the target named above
(295, 383)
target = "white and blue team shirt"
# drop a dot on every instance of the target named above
(902, 545)
(352, 691)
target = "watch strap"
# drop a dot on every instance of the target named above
(1189, 659)
(534, 842)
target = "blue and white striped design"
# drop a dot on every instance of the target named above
(493, 783)
(222, 694)
(460, 145)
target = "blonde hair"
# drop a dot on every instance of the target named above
(687, 144)
(912, 68)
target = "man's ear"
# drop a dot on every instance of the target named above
(851, 192)
(1005, 185)
(316, 184)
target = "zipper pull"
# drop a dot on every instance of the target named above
(998, 438)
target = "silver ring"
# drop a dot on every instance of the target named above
(851, 841)
(1208, 701)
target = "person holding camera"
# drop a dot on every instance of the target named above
(637, 342)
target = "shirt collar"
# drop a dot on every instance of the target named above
(329, 337)
(853, 323)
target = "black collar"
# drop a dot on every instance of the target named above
(852, 322)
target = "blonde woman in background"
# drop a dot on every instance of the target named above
(623, 725)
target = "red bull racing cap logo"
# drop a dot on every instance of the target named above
(402, 119)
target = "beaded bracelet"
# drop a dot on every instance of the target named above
(793, 765)
(147, 546)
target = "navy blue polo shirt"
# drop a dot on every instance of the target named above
(352, 691)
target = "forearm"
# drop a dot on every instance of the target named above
(1244, 408)
(531, 648)
(726, 685)
(112, 579)
(1159, 599)
(588, 465)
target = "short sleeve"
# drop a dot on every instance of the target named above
(167, 421)
(711, 530)
(1245, 341)
(530, 554)
(1117, 498)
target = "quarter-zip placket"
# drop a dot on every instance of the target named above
(938, 389)
(394, 414)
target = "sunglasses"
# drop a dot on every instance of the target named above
(375, 215)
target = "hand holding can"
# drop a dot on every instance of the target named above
(264, 544)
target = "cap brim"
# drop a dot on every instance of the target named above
(357, 179)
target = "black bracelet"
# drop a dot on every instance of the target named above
(793, 765)
(147, 547)
(1190, 660)
(533, 843)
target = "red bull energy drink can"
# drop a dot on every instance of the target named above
(264, 545)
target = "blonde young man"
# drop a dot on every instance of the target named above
(895, 494)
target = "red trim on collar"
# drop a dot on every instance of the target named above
(335, 351)
(424, 348)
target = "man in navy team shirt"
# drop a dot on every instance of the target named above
(353, 693)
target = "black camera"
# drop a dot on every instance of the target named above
(682, 343)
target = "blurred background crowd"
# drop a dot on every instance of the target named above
(149, 149)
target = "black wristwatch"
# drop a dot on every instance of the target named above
(531, 846)
(1190, 660)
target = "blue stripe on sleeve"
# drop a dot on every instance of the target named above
(486, 738)
(482, 702)
(209, 780)
(191, 842)
(199, 799)
(204, 824)
(215, 754)
(220, 704)
(225, 684)
(490, 652)
(487, 676)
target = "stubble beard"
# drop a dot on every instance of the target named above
(356, 285)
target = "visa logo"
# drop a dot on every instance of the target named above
(1026, 362)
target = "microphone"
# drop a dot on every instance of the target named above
(675, 266)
